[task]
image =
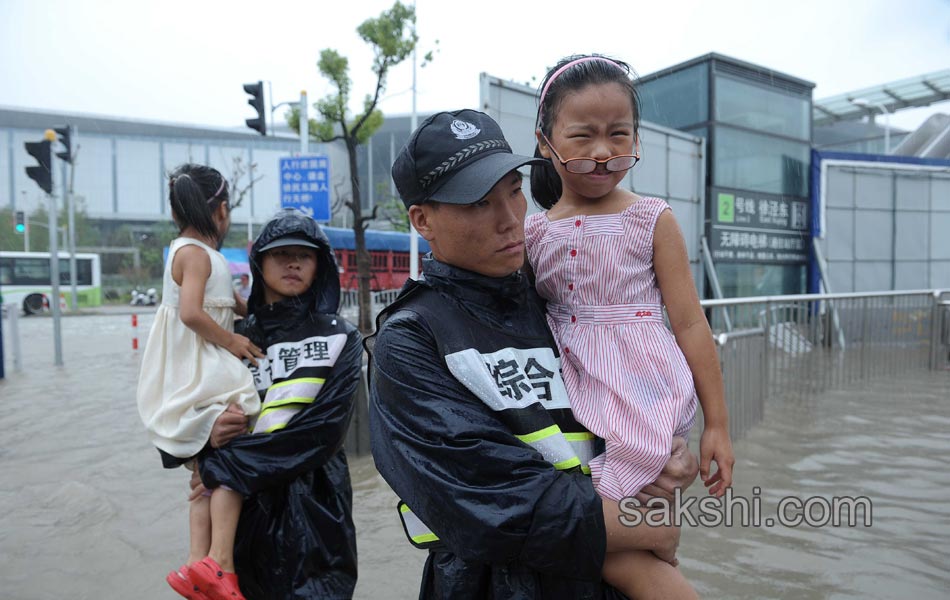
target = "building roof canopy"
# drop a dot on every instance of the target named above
(921, 90)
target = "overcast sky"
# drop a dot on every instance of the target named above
(185, 60)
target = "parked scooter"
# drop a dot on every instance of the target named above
(147, 298)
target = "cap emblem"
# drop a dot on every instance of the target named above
(463, 130)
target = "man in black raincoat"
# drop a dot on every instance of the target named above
(469, 418)
(296, 537)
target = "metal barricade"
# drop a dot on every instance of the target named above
(940, 341)
(788, 348)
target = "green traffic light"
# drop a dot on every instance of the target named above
(20, 228)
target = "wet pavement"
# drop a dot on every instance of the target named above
(88, 512)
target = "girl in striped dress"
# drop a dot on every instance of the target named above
(608, 261)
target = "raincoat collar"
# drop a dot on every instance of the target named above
(473, 287)
(285, 314)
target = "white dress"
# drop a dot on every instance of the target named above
(185, 381)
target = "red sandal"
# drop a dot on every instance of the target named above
(213, 581)
(180, 582)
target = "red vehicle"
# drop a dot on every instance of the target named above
(388, 251)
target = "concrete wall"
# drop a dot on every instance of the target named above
(124, 177)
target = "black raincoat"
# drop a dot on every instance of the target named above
(510, 525)
(296, 537)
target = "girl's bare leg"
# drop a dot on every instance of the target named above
(225, 512)
(199, 525)
(640, 575)
(199, 528)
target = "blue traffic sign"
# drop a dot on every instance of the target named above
(305, 185)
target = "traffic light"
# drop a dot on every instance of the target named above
(64, 139)
(256, 90)
(41, 152)
(19, 221)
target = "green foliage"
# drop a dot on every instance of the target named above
(394, 211)
(336, 68)
(388, 36)
(86, 232)
(152, 249)
(392, 39)
(373, 122)
(9, 239)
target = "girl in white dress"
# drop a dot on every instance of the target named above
(192, 370)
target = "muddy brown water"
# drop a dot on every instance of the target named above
(87, 511)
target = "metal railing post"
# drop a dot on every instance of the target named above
(765, 351)
(864, 336)
(936, 326)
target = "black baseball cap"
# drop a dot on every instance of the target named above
(455, 158)
(290, 240)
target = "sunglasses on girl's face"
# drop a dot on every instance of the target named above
(582, 166)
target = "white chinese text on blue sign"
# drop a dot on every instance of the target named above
(305, 185)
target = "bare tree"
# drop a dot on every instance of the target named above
(239, 189)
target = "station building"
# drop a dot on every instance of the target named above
(768, 183)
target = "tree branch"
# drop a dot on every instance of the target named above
(380, 78)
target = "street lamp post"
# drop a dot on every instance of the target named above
(867, 104)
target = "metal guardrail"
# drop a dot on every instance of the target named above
(795, 347)
(791, 348)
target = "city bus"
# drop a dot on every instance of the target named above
(25, 280)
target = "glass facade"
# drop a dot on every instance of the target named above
(758, 127)
(761, 163)
(677, 100)
(740, 280)
(767, 110)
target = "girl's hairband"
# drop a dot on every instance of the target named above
(172, 180)
(220, 189)
(544, 91)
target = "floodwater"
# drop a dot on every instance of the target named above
(88, 512)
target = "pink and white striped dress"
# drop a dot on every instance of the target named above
(627, 379)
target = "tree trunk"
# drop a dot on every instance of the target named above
(363, 274)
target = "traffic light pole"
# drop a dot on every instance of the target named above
(54, 281)
(304, 124)
(71, 212)
(68, 242)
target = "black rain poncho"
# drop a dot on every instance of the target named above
(510, 525)
(296, 537)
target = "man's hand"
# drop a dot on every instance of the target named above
(197, 488)
(229, 424)
(679, 472)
